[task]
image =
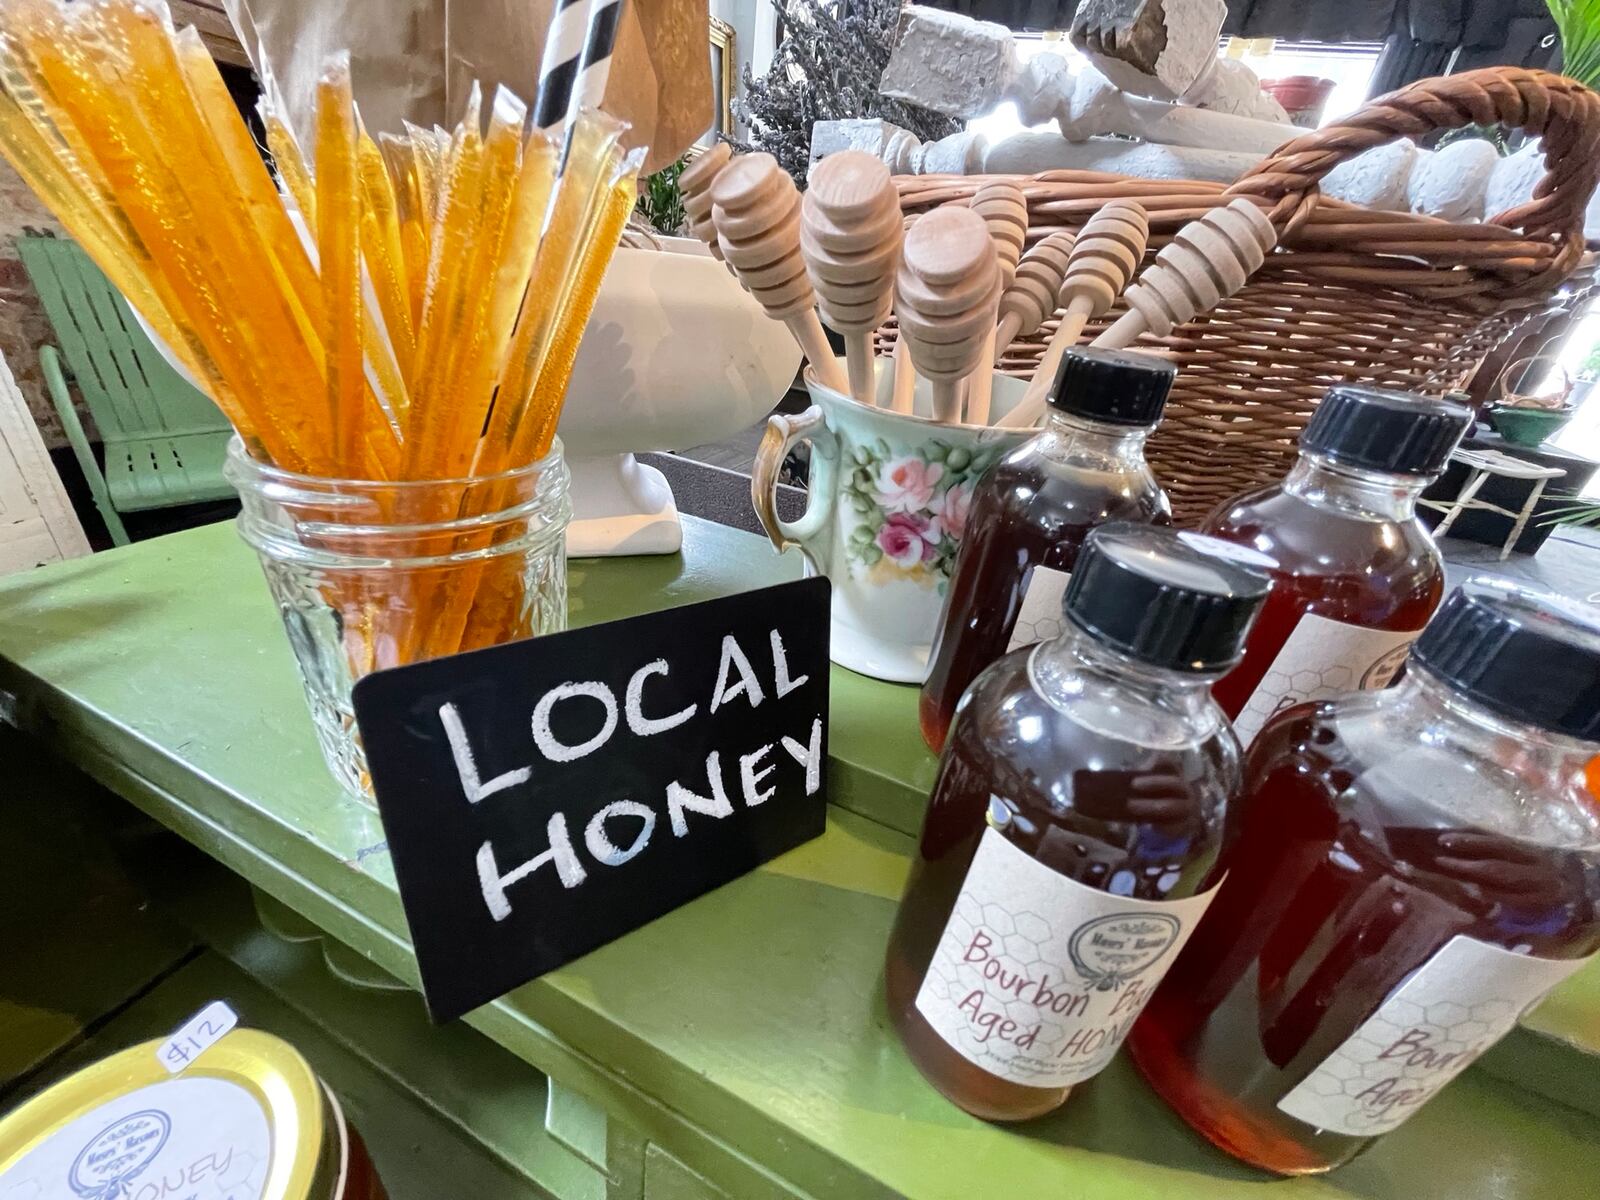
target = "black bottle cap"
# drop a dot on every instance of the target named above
(1397, 433)
(1526, 655)
(1175, 600)
(1114, 386)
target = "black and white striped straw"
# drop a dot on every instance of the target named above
(598, 43)
(559, 64)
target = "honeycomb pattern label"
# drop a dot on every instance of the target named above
(1451, 1009)
(193, 1137)
(1322, 659)
(1037, 978)
(1041, 619)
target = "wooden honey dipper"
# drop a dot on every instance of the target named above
(695, 183)
(1031, 296)
(1207, 261)
(1103, 259)
(1004, 210)
(850, 236)
(756, 208)
(947, 294)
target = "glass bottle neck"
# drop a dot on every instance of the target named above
(1120, 696)
(1079, 442)
(1349, 491)
(1428, 702)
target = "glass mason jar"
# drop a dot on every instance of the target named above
(369, 575)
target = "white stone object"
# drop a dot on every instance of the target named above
(1030, 153)
(1376, 178)
(959, 154)
(1232, 87)
(870, 134)
(1451, 183)
(964, 68)
(949, 63)
(1514, 179)
(1042, 83)
(898, 154)
(1154, 48)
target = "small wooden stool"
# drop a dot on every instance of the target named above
(1481, 464)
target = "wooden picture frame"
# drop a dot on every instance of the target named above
(724, 71)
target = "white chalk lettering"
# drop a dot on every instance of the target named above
(605, 851)
(467, 764)
(494, 884)
(680, 799)
(809, 757)
(733, 656)
(633, 703)
(782, 684)
(556, 750)
(750, 778)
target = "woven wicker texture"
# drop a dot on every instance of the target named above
(1392, 299)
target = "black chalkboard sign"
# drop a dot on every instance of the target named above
(544, 797)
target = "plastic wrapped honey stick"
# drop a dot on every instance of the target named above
(947, 294)
(1103, 259)
(756, 208)
(1030, 298)
(1004, 210)
(850, 235)
(695, 183)
(1207, 261)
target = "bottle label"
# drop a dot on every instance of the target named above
(188, 1136)
(1037, 978)
(1040, 618)
(1321, 659)
(1454, 1007)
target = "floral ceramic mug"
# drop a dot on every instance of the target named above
(889, 496)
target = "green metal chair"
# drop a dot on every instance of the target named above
(163, 439)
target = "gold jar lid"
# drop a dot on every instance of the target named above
(246, 1120)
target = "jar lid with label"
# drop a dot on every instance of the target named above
(247, 1119)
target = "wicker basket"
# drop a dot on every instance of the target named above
(1387, 298)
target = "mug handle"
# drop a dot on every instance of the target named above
(782, 432)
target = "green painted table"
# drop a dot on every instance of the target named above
(741, 1039)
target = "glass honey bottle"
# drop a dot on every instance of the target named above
(1408, 871)
(1031, 511)
(1355, 574)
(1080, 802)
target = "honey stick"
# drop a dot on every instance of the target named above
(383, 249)
(477, 617)
(575, 209)
(96, 100)
(339, 255)
(454, 224)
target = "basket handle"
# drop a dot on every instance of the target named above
(1562, 111)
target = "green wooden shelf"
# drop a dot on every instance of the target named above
(742, 1036)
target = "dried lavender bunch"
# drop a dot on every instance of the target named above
(827, 68)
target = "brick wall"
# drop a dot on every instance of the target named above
(23, 327)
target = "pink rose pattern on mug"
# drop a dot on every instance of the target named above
(905, 514)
